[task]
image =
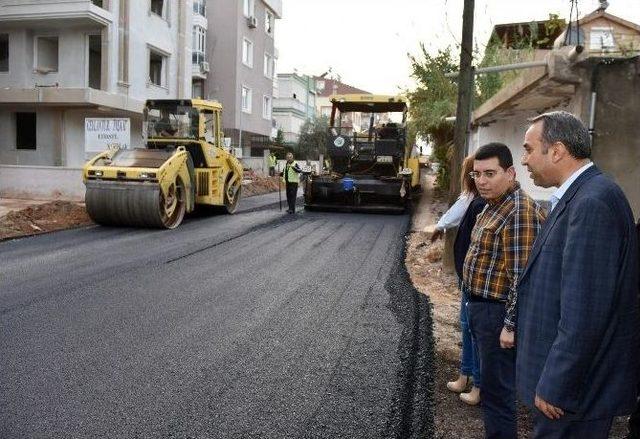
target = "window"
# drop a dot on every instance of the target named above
(210, 126)
(4, 52)
(268, 22)
(157, 7)
(601, 38)
(247, 52)
(199, 7)
(248, 8)
(198, 44)
(197, 89)
(268, 66)
(156, 68)
(47, 54)
(266, 107)
(246, 99)
(25, 130)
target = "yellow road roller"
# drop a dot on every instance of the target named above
(183, 164)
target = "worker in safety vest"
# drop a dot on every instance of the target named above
(291, 177)
(272, 164)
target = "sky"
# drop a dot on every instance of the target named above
(366, 41)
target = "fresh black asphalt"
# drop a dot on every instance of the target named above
(256, 325)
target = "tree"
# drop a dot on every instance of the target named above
(431, 101)
(313, 138)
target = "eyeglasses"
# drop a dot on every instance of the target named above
(489, 174)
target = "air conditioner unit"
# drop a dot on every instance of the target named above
(204, 67)
(252, 22)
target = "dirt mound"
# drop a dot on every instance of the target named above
(42, 218)
(256, 185)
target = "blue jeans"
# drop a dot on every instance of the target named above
(469, 358)
(498, 369)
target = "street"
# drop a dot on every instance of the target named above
(251, 325)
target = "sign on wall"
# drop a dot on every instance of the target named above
(102, 133)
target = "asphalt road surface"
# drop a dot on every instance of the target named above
(253, 325)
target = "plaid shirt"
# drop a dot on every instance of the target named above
(500, 244)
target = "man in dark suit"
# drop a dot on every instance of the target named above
(578, 319)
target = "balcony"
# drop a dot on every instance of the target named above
(289, 104)
(53, 14)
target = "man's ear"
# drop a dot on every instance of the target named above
(512, 172)
(558, 151)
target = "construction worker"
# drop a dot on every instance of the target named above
(291, 177)
(272, 161)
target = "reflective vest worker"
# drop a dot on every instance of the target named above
(291, 178)
(272, 161)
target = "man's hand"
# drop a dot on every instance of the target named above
(437, 234)
(507, 339)
(547, 409)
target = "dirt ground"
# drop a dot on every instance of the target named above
(58, 215)
(453, 418)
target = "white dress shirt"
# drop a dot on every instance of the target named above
(557, 195)
(454, 215)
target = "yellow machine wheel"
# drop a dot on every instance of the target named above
(114, 203)
(231, 198)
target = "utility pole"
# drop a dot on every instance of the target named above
(463, 116)
(465, 99)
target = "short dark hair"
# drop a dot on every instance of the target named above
(496, 149)
(564, 127)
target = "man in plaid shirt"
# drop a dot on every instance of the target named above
(500, 244)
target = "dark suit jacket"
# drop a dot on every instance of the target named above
(577, 336)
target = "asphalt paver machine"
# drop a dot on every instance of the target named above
(369, 164)
(183, 164)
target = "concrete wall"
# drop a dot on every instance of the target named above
(34, 182)
(48, 138)
(616, 145)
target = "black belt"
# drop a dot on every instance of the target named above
(476, 298)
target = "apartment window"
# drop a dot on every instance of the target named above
(268, 22)
(198, 44)
(25, 130)
(246, 99)
(4, 52)
(197, 89)
(268, 65)
(47, 54)
(157, 7)
(601, 38)
(157, 63)
(199, 7)
(98, 3)
(248, 8)
(247, 52)
(266, 107)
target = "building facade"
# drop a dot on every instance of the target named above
(601, 86)
(294, 104)
(63, 61)
(240, 41)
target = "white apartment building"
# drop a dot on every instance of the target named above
(62, 61)
(294, 104)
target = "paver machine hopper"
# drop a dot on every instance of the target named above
(369, 161)
(182, 165)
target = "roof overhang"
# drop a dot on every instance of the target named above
(70, 97)
(536, 89)
(54, 14)
(368, 103)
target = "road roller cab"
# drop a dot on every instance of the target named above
(182, 165)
